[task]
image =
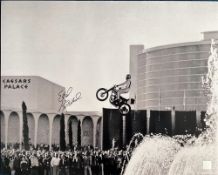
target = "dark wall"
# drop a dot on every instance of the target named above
(203, 117)
(112, 128)
(160, 122)
(185, 122)
(138, 122)
(165, 122)
(128, 128)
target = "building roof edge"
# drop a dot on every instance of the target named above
(176, 45)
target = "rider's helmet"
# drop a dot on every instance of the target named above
(128, 76)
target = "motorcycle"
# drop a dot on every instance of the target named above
(122, 103)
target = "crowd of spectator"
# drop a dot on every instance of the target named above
(76, 161)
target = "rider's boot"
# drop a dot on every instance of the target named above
(133, 100)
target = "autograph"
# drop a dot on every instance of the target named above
(63, 95)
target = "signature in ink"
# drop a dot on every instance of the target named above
(64, 102)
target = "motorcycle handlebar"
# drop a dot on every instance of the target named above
(113, 87)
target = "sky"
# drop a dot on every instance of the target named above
(85, 45)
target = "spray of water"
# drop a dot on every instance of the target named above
(136, 137)
(192, 159)
(160, 155)
(211, 81)
(153, 156)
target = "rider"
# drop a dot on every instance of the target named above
(124, 87)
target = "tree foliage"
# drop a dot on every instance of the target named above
(62, 134)
(25, 127)
(79, 134)
(70, 134)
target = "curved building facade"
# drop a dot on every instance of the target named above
(170, 76)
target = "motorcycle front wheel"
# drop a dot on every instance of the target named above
(124, 108)
(102, 94)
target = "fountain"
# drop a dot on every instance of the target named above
(153, 156)
(136, 137)
(162, 155)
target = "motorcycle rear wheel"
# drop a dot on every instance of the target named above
(124, 108)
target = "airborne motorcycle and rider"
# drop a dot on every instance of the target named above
(115, 98)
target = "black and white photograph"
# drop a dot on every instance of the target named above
(109, 88)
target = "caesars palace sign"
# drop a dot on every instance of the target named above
(16, 83)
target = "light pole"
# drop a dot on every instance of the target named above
(124, 130)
